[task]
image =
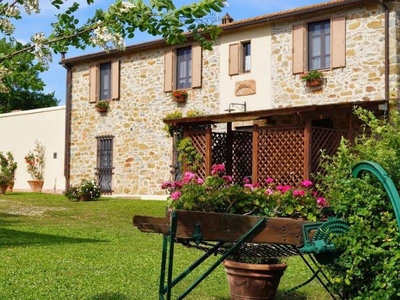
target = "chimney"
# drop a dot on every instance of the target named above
(226, 19)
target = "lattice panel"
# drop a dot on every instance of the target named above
(281, 155)
(218, 148)
(326, 139)
(198, 139)
(242, 155)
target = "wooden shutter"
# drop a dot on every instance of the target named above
(196, 66)
(233, 59)
(338, 42)
(298, 49)
(168, 71)
(115, 80)
(93, 83)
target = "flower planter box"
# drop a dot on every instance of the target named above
(225, 227)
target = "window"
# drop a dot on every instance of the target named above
(239, 58)
(105, 162)
(319, 45)
(104, 81)
(182, 68)
(325, 47)
(246, 51)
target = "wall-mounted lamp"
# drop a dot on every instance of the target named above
(233, 106)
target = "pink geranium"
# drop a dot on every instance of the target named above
(175, 195)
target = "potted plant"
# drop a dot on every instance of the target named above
(217, 193)
(102, 106)
(35, 164)
(7, 170)
(180, 96)
(312, 78)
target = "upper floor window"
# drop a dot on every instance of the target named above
(319, 45)
(246, 52)
(183, 68)
(325, 47)
(104, 81)
(239, 58)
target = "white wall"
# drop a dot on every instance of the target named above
(260, 69)
(18, 132)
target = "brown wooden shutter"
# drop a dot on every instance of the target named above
(115, 77)
(338, 42)
(234, 59)
(298, 49)
(93, 83)
(168, 71)
(196, 66)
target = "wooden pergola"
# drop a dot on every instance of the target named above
(287, 152)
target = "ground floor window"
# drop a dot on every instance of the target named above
(105, 163)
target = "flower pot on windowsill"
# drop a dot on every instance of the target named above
(180, 96)
(314, 82)
(102, 109)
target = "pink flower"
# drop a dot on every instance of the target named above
(218, 169)
(306, 183)
(175, 195)
(298, 193)
(166, 184)
(248, 186)
(269, 192)
(200, 181)
(177, 184)
(188, 176)
(283, 188)
(227, 178)
(269, 180)
(321, 201)
(246, 180)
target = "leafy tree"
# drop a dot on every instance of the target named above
(23, 84)
(107, 28)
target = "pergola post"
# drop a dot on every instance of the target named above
(229, 142)
(208, 158)
(254, 164)
(307, 149)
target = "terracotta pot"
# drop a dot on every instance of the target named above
(180, 99)
(253, 281)
(11, 185)
(314, 82)
(3, 189)
(36, 185)
(102, 109)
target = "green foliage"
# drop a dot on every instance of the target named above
(103, 104)
(86, 191)
(169, 128)
(311, 75)
(7, 167)
(189, 154)
(369, 268)
(22, 85)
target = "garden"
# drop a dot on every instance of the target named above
(55, 248)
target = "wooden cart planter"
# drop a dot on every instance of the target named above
(281, 237)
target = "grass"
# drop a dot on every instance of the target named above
(51, 248)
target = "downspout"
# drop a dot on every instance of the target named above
(386, 26)
(67, 120)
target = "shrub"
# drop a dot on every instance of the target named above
(369, 267)
(87, 190)
(7, 167)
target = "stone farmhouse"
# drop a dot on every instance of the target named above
(271, 122)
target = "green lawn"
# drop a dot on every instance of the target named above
(51, 248)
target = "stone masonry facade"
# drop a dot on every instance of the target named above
(141, 148)
(362, 78)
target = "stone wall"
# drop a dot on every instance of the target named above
(142, 151)
(362, 79)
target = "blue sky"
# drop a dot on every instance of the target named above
(55, 76)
